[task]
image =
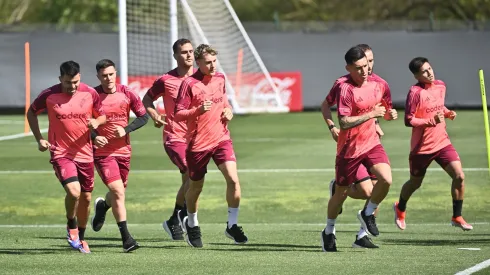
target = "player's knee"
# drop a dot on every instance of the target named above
(459, 177)
(118, 194)
(233, 183)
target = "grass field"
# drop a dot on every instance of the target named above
(285, 162)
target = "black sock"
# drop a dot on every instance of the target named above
(176, 210)
(123, 228)
(457, 208)
(81, 233)
(72, 223)
(402, 204)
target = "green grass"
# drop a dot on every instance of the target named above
(281, 212)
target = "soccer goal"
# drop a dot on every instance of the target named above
(147, 29)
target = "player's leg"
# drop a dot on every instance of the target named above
(173, 226)
(224, 158)
(105, 166)
(449, 160)
(418, 167)
(66, 172)
(378, 163)
(86, 177)
(345, 174)
(197, 167)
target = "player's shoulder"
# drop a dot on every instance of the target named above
(55, 89)
(439, 82)
(169, 75)
(125, 90)
(99, 89)
(219, 75)
(86, 88)
(416, 88)
(377, 78)
(345, 87)
(341, 79)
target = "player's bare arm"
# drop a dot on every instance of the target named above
(327, 116)
(347, 122)
(94, 123)
(43, 144)
(158, 119)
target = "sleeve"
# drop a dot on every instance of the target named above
(388, 102)
(225, 97)
(137, 123)
(157, 89)
(97, 105)
(183, 103)
(332, 94)
(345, 101)
(39, 104)
(411, 106)
(135, 103)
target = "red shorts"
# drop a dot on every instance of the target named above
(176, 152)
(349, 170)
(420, 162)
(363, 174)
(68, 170)
(112, 168)
(198, 161)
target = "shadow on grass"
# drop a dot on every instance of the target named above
(268, 247)
(439, 242)
(32, 251)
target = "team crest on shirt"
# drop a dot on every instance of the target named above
(124, 104)
(82, 102)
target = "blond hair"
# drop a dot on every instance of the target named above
(204, 49)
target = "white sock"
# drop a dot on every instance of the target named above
(371, 207)
(362, 233)
(232, 216)
(192, 219)
(330, 228)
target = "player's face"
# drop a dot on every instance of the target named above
(207, 64)
(359, 70)
(107, 77)
(370, 58)
(70, 84)
(426, 74)
(185, 56)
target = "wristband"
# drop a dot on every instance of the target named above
(330, 127)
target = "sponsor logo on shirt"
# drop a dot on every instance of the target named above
(214, 100)
(71, 116)
(117, 117)
(365, 110)
(434, 109)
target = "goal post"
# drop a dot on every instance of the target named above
(148, 28)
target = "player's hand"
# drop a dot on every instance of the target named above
(43, 145)
(159, 121)
(335, 133)
(92, 124)
(227, 114)
(379, 110)
(100, 141)
(393, 114)
(119, 132)
(379, 131)
(206, 106)
(438, 118)
(451, 115)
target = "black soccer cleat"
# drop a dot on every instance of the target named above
(364, 242)
(100, 210)
(236, 233)
(173, 228)
(328, 242)
(332, 191)
(368, 222)
(181, 214)
(130, 245)
(193, 236)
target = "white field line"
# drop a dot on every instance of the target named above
(220, 224)
(20, 135)
(300, 170)
(475, 268)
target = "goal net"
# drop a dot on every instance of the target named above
(148, 29)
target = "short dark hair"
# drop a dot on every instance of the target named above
(104, 63)
(69, 68)
(353, 54)
(180, 42)
(417, 63)
(364, 47)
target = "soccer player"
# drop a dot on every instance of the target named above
(73, 109)
(425, 113)
(359, 102)
(362, 187)
(112, 154)
(203, 104)
(174, 140)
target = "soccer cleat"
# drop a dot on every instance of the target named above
(193, 236)
(328, 242)
(100, 211)
(130, 245)
(364, 242)
(236, 233)
(84, 247)
(173, 228)
(368, 222)
(181, 214)
(461, 223)
(399, 217)
(72, 238)
(332, 191)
